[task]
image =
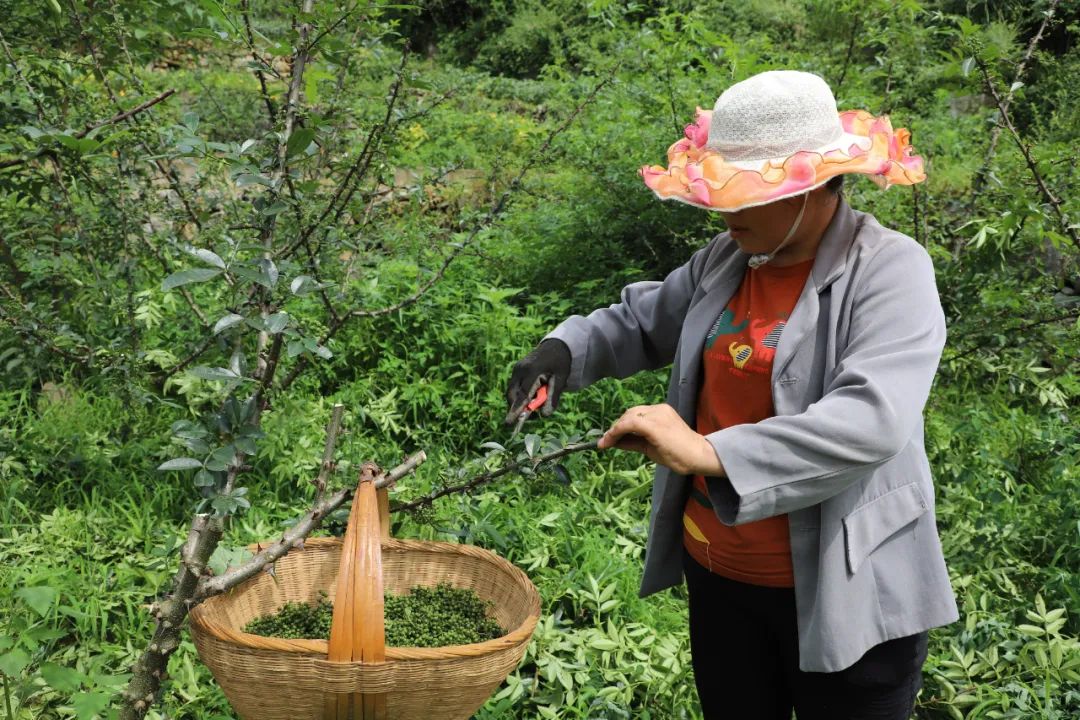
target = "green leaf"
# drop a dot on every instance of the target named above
(207, 256)
(40, 598)
(204, 478)
(268, 273)
(275, 209)
(214, 373)
(531, 443)
(12, 663)
(277, 322)
(299, 140)
(227, 322)
(562, 475)
(191, 121)
(61, 678)
(965, 67)
(69, 141)
(222, 458)
(184, 463)
(89, 705)
(188, 276)
(301, 285)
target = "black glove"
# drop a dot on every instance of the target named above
(548, 364)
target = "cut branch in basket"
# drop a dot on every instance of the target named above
(294, 536)
(484, 478)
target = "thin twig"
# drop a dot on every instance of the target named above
(124, 115)
(980, 177)
(492, 214)
(344, 192)
(484, 478)
(271, 111)
(1014, 332)
(29, 88)
(166, 170)
(90, 127)
(1053, 200)
(855, 26)
(327, 466)
(85, 359)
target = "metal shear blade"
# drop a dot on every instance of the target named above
(535, 404)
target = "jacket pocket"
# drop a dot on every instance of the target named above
(869, 525)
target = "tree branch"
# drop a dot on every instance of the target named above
(30, 331)
(327, 465)
(150, 670)
(292, 107)
(979, 181)
(487, 477)
(358, 169)
(271, 111)
(294, 536)
(29, 88)
(90, 127)
(492, 214)
(1054, 202)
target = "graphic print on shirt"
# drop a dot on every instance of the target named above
(724, 326)
(740, 354)
(755, 343)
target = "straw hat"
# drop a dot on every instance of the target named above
(775, 135)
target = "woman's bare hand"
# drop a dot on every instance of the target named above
(658, 432)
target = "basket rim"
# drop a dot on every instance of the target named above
(202, 620)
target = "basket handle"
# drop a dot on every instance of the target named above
(357, 631)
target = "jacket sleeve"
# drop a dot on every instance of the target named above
(641, 332)
(867, 414)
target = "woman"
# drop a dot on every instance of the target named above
(792, 488)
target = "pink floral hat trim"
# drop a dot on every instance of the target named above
(701, 177)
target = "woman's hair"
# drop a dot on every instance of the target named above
(836, 185)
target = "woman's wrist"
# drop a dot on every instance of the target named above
(709, 463)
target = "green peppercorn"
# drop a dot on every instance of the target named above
(425, 617)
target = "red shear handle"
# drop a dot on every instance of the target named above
(540, 399)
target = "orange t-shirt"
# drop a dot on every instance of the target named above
(737, 388)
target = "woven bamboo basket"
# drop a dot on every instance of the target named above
(278, 679)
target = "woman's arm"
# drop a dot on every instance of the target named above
(866, 416)
(641, 332)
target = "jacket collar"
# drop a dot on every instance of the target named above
(831, 258)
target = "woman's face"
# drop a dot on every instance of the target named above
(760, 229)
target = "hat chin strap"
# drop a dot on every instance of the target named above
(760, 259)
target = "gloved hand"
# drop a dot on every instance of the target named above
(548, 364)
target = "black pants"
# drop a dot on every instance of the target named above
(745, 650)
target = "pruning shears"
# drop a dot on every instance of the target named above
(533, 405)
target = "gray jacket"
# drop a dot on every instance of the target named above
(844, 454)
